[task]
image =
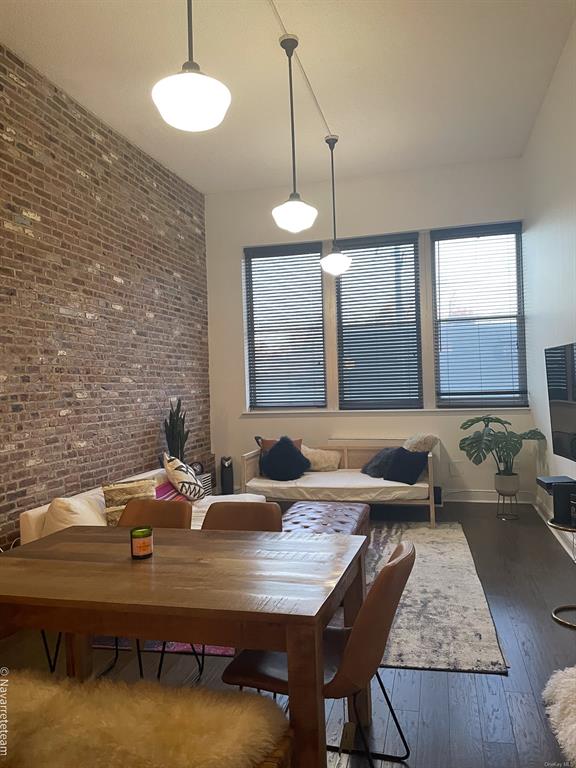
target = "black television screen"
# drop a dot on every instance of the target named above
(561, 375)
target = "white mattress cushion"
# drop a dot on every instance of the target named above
(340, 485)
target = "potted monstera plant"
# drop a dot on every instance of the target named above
(495, 439)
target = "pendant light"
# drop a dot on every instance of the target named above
(294, 215)
(335, 262)
(190, 100)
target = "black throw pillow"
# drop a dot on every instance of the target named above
(378, 464)
(406, 466)
(284, 461)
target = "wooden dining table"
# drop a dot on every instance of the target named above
(267, 591)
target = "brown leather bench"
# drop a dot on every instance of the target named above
(327, 517)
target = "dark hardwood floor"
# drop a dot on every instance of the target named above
(452, 720)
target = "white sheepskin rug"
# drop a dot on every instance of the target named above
(105, 724)
(560, 699)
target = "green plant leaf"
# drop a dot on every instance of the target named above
(486, 420)
(478, 446)
(533, 434)
(507, 445)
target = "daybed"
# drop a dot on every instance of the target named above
(347, 483)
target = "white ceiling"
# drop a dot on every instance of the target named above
(405, 83)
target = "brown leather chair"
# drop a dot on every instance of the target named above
(352, 655)
(243, 516)
(156, 512)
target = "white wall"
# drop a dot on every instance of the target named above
(447, 196)
(550, 241)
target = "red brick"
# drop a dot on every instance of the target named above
(103, 300)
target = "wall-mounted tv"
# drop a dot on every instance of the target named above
(561, 375)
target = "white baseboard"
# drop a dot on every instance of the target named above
(481, 495)
(566, 539)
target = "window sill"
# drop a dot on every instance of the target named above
(272, 413)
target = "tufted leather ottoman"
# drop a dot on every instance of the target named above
(327, 517)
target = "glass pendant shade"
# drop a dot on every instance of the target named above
(191, 101)
(335, 263)
(294, 215)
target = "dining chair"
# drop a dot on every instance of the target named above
(235, 516)
(352, 655)
(243, 516)
(157, 513)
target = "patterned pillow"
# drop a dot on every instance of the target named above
(117, 495)
(183, 478)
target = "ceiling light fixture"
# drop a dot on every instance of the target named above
(294, 215)
(190, 100)
(335, 262)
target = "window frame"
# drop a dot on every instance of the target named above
(426, 313)
(375, 241)
(271, 251)
(482, 230)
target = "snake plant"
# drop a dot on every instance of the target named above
(175, 430)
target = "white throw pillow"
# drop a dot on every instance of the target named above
(421, 441)
(87, 509)
(183, 478)
(321, 460)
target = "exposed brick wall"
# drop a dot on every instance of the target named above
(103, 301)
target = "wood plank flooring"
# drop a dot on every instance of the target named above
(451, 719)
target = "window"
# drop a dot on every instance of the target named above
(478, 316)
(379, 360)
(285, 326)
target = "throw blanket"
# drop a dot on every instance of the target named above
(167, 492)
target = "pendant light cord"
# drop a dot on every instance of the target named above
(304, 75)
(333, 194)
(190, 35)
(289, 53)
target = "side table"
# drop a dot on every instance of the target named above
(561, 609)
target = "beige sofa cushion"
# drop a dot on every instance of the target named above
(85, 509)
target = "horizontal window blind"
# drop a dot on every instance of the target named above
(557, 373)
(561, 372)
(478, 316)
(378, 316)
(285, 326)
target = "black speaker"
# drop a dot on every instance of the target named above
(564, 495)
(226, 475)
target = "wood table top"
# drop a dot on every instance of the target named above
(287, 576)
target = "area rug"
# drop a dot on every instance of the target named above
(443, 621)
(560, 699)
(155, 646)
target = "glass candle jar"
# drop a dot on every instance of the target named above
(141, 542)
